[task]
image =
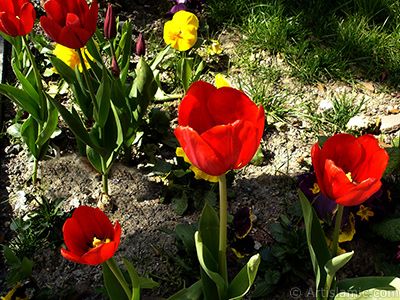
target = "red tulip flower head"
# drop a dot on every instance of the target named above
(110, 24)
(16, 17)
(70, 23)
(219, 129)
(90, 236)
(349, 169)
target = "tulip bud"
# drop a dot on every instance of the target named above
(140, 46)
(115, 71)
(110, 25)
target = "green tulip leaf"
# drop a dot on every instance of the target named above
(316, 241)
(48, 127)
(159, 58)
(394, 159)
(243, 281)
(207, 262)
(93, 50)
(64, 70)
(209, 229)
(135, 280)
(103, 100)
(198, 71)
(194, 292)
(26, 85)
(23, 99)
(77, 127)
(95, 159)
(29, 133)
(184, 71)
(359, 285)
(334, 264)
(114, 288)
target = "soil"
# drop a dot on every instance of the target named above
(137, 192)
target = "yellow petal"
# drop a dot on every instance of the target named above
(221, 81)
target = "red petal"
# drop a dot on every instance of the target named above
(56, 11)
(199, 153)
(51, 28)
(28, 16)
(375, 159)
(227, 105)
(73, 20)
(90, 21)
(75, 239)
(234, 144)
(94, 222)
(72, 256)
(360, 193)
(9, 24)
(73, 37)
(193, 110)
(100, 254)
(335, 181)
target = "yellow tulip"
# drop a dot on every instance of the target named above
(181, 31)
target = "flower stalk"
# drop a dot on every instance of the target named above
(223, 219)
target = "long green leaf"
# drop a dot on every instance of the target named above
(194, 292)
(135, 280)
(77, 127)
(103, 100)
(29, 133)
(334, 264)
(316, 241)
(22, 98)
(114, 288)
(243, 281)
(26, 85)
(48, 127)
(207, 262)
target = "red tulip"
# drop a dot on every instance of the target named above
(70, 22)
(16, 17)
(140, 46)
(219, 129)
(349, 169)
(110, 24)
(90, 236)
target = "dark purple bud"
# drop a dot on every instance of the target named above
(115, 71)
(140, 46)
(110, 25)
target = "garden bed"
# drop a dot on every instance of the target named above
(138, 191)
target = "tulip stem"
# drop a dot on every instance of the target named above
(223, 217)
(112, 264)
(335, 240)
(34, 171)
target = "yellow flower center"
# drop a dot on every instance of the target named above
(315, 189)
(97, 242)
(349, 176)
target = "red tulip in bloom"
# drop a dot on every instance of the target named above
(90, 236)
(219, 129)
(70, 22)
(16, 17)
(349, 169)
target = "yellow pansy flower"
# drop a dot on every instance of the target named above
(198, 174)
(221, 81)
(70, 56)
(181, 31)
(365, 212)
(214, 48)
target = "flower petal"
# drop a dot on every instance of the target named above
(199, 152)
(193, 110)
(360, 193)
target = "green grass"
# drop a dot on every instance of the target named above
(342, 40)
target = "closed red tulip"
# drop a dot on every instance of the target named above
(90, 236)
(219, 129)
(110, 24)
(16, 17)
(70, 23)
(349, 169)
